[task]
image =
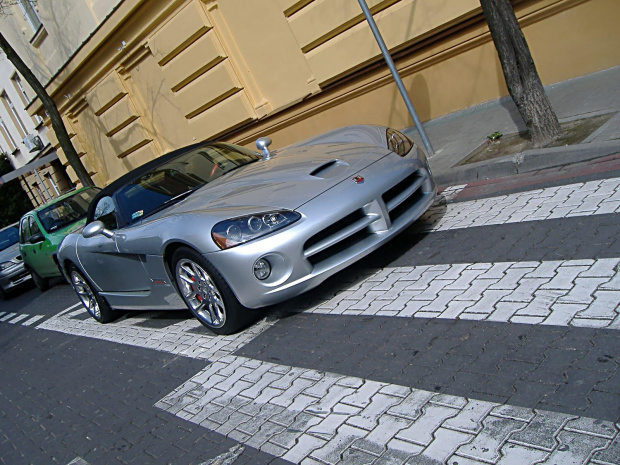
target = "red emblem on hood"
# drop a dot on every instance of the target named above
(358, 179)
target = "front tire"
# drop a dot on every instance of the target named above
(96, 306)
(206, 293)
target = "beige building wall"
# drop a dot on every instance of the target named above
(158, 75)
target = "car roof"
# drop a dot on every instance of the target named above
(57, 199)
(125, 179)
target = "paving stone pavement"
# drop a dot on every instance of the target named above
(583, 293)
(579, 199)
(307, 416)
(323, 386)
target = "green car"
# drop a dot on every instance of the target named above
(43, 229)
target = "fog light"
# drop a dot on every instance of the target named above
(262, 269)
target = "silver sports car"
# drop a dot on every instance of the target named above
(221, 229)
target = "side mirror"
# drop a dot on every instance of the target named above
(36, 238)
(94, 229)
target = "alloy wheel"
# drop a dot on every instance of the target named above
(201, 293)
(86, 294)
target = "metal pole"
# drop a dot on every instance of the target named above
(396, 76)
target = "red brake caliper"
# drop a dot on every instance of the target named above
(198, 296)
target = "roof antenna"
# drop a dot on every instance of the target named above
(262, 144)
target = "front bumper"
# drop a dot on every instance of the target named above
(13, 277)
(337, 228)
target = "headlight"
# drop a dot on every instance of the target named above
(6, 265)
(231, 233)
(398, 143)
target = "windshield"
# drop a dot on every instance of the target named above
(66, 211)
(8, 237)
(173, 180)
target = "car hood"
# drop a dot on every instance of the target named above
(10, 253)
(73, 227)
(290, 179)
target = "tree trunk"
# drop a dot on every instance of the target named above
(57, 123)
(522, 79)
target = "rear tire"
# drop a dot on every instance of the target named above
(96, 306)
(41, 283)
(207, 294)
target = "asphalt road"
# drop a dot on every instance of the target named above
(486, 333)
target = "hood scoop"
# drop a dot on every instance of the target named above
(330, 169)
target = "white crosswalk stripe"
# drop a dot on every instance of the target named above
(583, 293)
(33, 320)
(176, 339)
(18, 318)
(8, 316)
(581, 199)
(300, 414)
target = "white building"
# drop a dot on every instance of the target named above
(40, 33)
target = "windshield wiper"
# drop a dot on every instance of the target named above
(170, 201)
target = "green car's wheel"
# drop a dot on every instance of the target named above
(95, 305)
(42, 283)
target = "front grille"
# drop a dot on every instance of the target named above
(403, 196)
(351, 235)
(337, 237)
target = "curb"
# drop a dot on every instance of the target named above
(527, 161)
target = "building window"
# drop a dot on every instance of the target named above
(14, 115)
(7, 135)
(19, 87)
(30, 14)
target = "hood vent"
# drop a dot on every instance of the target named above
(330, 169)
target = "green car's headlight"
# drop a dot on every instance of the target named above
(398, 143)
(231, 233)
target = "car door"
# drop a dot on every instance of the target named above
(111, 270)
(36, 249)
(42, 249)
(25, 248)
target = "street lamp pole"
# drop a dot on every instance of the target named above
(396, 76)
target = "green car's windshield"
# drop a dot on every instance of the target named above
(8, 237)
(66, 211)
(174, 180)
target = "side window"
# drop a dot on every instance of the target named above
(33, 226)
(105, 211)
(24, 233)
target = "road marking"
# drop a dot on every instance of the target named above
(580, 199)
(228, 458)
(178, 339)
(67, 310)
(18, 318)
(33, 320)
(8, 316)
(301, 414)
(582, 293)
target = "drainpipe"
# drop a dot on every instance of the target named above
(49, 197)
(53, 184)
(396, 76)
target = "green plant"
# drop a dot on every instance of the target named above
(494, 135)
